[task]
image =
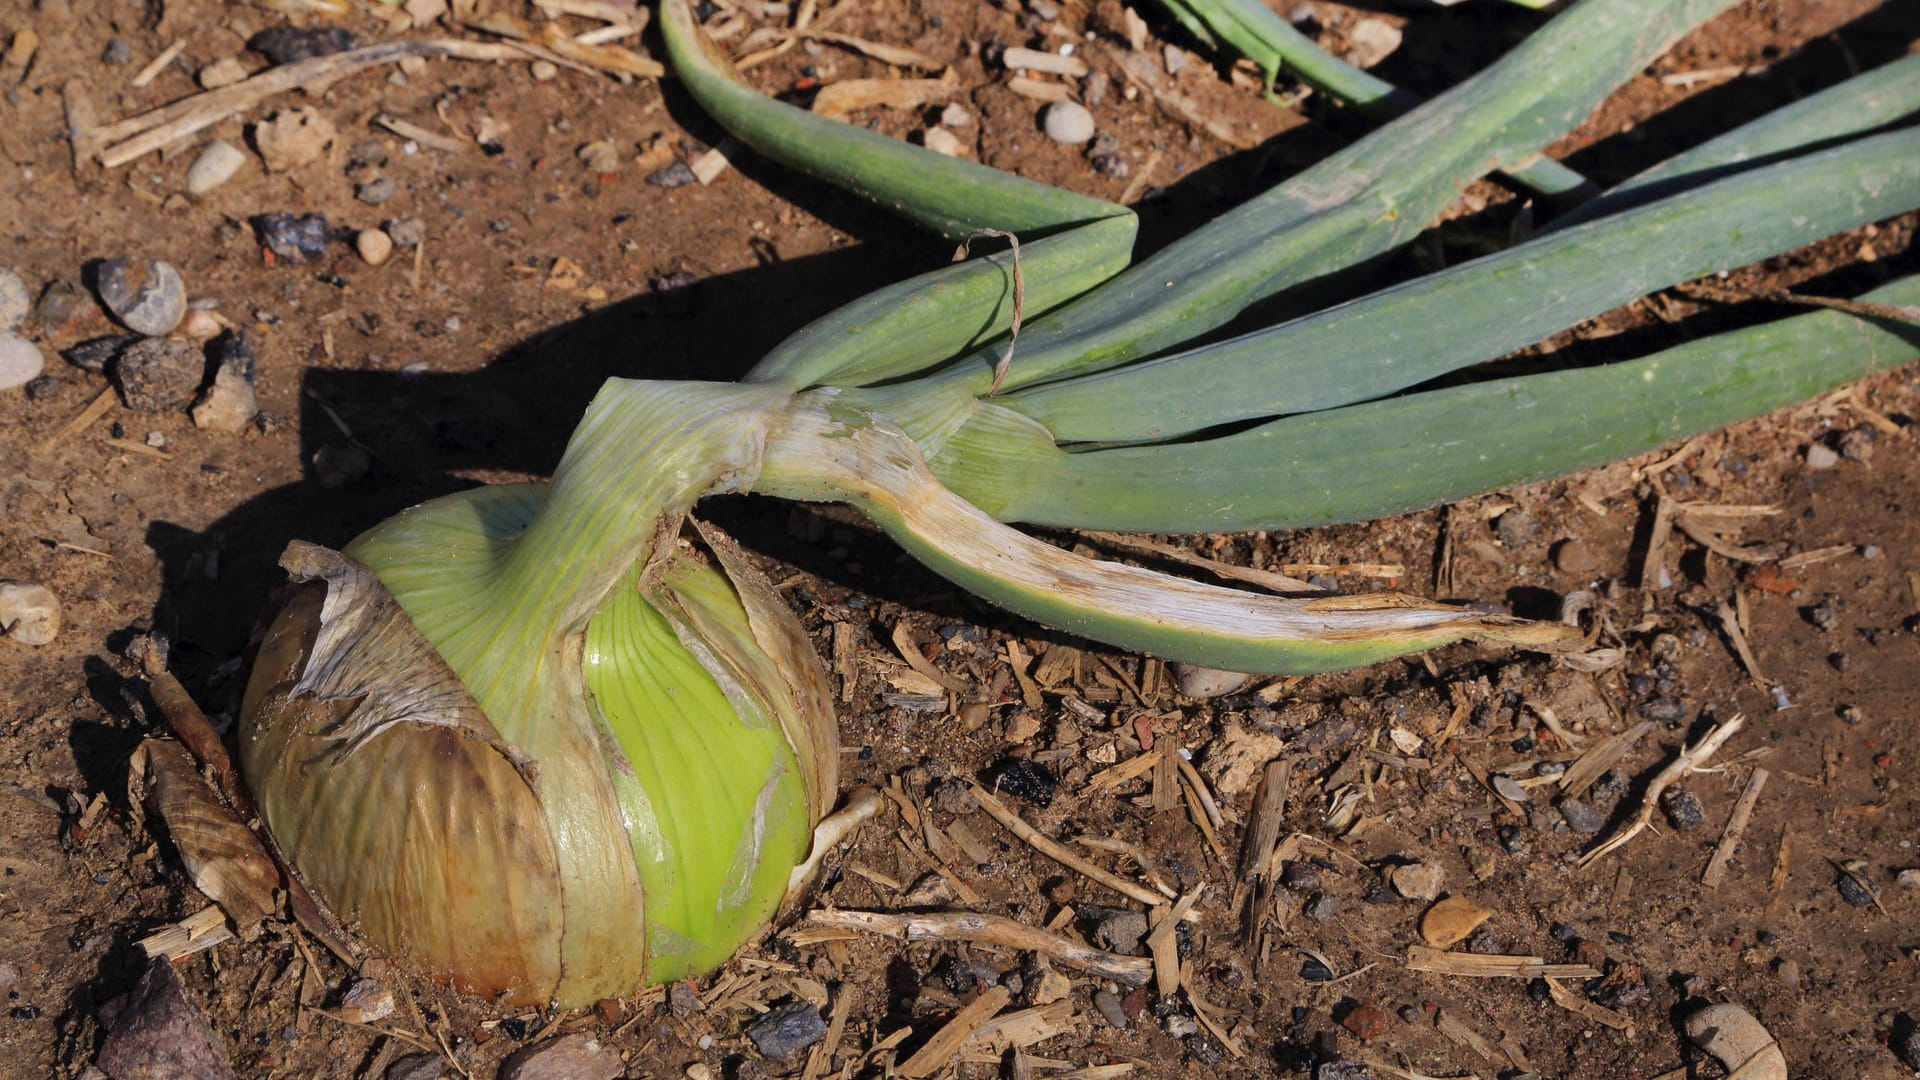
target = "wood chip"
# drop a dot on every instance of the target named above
(836, 100)
(1603, 755)
(196, 933)
(1654, 561)
(708, 166)
(1029, 691)
(1730, 624)
(823, 1051)
(426, 137)
(1716, 869)
(917, 660)
(1484, 966)
(1019, 59)
(1039, 90)
(1593, 1011)
(1162, 944)
(1461, 1033)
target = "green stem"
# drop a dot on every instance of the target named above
(1477, 311)
(1406, 453)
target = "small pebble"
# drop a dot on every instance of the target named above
(1908, 878)
(1508, 787)
(200, 326)
(1821, 456)
(1205, 683)
(117, 53)
(1323, 908)
(20, 360)
(1856, 444)
(229, 403)
(1788, 972)
(1852, 891)
(366, 154)
(955, 115)
(941, 141)
(294, 238)
(29, 613)
(1665, 710)
(417, 1067)
(374, 245)
(406, 232)
(1025, 779)
(543, 70)
(15, 300)
(1373, 41)
(785, 1030)
(1905, 1041)
(1299, 876)
(1302, 15)
(1108, 1006)
(63, 307)
(222, 72)
(1343, 1070)
(376, 191)
(1418, 881)
(1575, 557)
(1365, 1020)
(1068, 122)
(1179, 1025)
(578, 1056)
(147, 296)
(159, 374)
(1121, 932)
(1683, 809)
(285, 44)
(673, 176)
(94, 354)
(366, 1001)
(1312, 970)
(1580, 817)
(218, 162)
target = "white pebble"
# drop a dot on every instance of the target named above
(216, 164)
(941, 141)
(374, 245)
(29, 613)
(955, 115)
(544, 70)
(1822, 456)
(15, 300)
(1069, 122)
(20, 360)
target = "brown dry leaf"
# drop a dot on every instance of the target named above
(841, 98)
(1451, 920)
(223, 858)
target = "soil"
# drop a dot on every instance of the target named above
(470, 362)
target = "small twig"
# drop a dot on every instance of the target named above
(983, 930)
(159, 64)
(1019, 299)
(1736, 825)
(95, 410)
(1907, 313)
(939, 1050)
(1689, 759)
(1736, 636)
(1056, 851)
(168, 124)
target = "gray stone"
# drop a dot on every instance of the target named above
(29, 613)
(158, 374)
(1068, 122)
(1107, 1004)
(570, 1057)
(1323, 908)
(15, 300)
(21, 361)
(376, 191)
(417, 1067)
(785, 1030)
(147, 297)
(1582, 818)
